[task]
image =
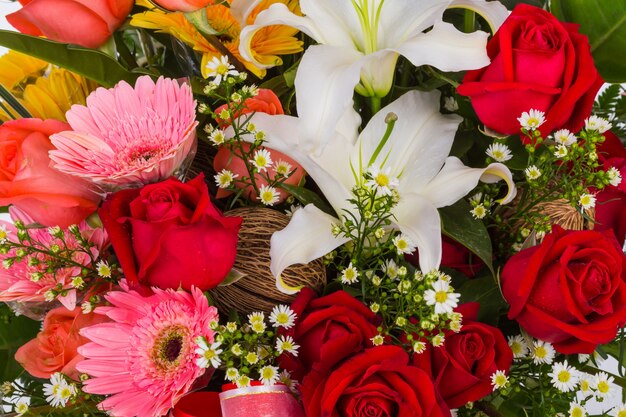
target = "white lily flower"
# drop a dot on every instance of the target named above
(360, 42)
(416, 153)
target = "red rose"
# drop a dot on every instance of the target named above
(228, 158)
(92, 21)
(454, 255)
(538, 63)
(28, 182)
(169, 234)
(611, 202)
(379, 381)
(462, 368)
(328, 329)
(570, 290)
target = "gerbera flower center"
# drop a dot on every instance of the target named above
(168, 347)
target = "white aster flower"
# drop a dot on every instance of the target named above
(217, 137)
(603, 385)
(256, 317)
(560, 151)
(532, 172)
(532, 120)
(4, 233)
(542, 352)
(286, 344)
(236, 349)
(58, 392)
(378, 340)
(382, 181)
(282, 316)
(518, 346)
(577, 410)
(283, 168)
(390, 268)
(438, 340)
(258, 327)
(262, 159)
(419, 347)
(585, 383)
(597, 123)
(565, 137)
(292, 209)
(350, 275)
(103, 268)
(252, 358)
(285, 378)
(403, 244)
(619, 411)
(269, 375)
(587, 201)
(479, 212)
(243, 381)
(209, 355)
(220, 69)
(564, 377)
(615, 177)
(499, 380)
(232, 374)
(21, 406)
(225, 178)
(499, 152)
(440, 296)
(268, 195)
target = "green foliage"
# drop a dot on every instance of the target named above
(14, 332)
(90, 63)
(605, 24)
(611, 104)
(486, 291)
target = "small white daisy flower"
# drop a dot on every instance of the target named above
(585, 383)
(268, 195)
(49, 295)
(231, 326)
(262, 159)
(350, 275)
(236, 349)
(283, 168)
(499, 380)
(438, 340)
(565, 137)
(258, 327)
(518, 346)
(252, 358)
(4, 234)
(243, 381)
(269, 375)
(499, 152)
(232, 374)
(403, 244)
(531, 120)
(378, 340)
(564, 377)
(217, 137)
(220, 69)
(225, 178)
(479, 212)
(78, 282)
(292, 209)
(542, 352)
(21, 406)
(587, 201)
(256, 317)
(619, 411)
(532, 172)
(577, 410)
(603, 384)
(382, 181)
(597, 123)
(390, 268)
(286, 344)
(561, 151)
(615, 177)
(58, 392)
(209, 355)
(285, 378)
(103, 268)
(440, 296)
(419, 347)
(282, 316)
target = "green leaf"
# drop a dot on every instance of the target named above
(306, 196)
(484, 290)
(201, 22)
(13, 334)
(10, 100)
(605, 24)
(90, 63)
(459, 224)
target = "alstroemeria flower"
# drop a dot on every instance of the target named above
(360, 42)
(415, 153)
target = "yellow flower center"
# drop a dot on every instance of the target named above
(603, 387)
(441, 296)
(541, 352)
(382, 180)
(563, 376)
(577, 412)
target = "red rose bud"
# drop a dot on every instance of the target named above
(611, 202)
(570, 290)
(169, 234)
(463, 366)
(453, 255)
(537, 63)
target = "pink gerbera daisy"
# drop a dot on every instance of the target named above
(129, 136)
(145, 359)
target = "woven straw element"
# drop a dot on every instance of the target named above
(562, 213)
(257, 291)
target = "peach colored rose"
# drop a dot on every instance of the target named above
(55, 347)
(83, 22)
(27, 181)
(183, 5)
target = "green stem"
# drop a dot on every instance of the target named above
(375, 104)
(391, 121)
(469, 21)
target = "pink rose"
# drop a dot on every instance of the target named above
(28, 182)
(55, 347)
(83, 22)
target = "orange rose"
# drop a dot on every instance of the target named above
(183, 5)
(55, 347)
(83, 22)
(27, 181)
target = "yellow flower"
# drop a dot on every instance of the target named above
(266, 46)
(45, 97)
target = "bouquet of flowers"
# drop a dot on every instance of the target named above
(289, 208)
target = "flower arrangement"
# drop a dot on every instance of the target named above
(316, 208)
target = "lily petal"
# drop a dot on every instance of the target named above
(446, 48)
(241, 9)
(455, 180)
(394, 26)
(418, 218)
(337, 20)
(493, 12)
(307, 237)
